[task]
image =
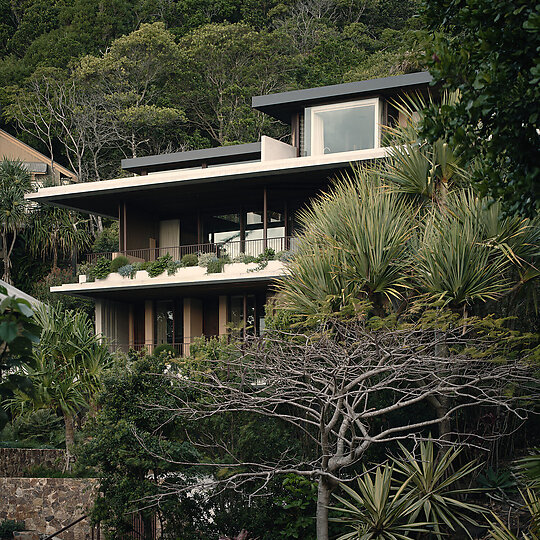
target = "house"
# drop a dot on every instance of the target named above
(38, 165)
(235, 200)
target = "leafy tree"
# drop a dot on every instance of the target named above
(18, 333)
(57, 231)
(488, 51)
(223, 66)
(15, 182)
(125, 438)
(66, 371)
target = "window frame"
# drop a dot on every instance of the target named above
(316, 132)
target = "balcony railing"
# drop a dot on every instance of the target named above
(233, 249)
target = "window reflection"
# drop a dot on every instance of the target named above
(341, 127)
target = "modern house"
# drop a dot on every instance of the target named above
(235, 200)
(38, 165)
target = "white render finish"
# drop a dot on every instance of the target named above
(272, 149)
(225, 172)
(192, 275)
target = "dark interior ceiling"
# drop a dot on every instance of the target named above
(215, 194)
(168, 292)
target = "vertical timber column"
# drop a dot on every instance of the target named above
(285, 245)
(121, 246)
(222, 316)
(99, 317)
(242, 231)
(124, 219)
(265, 218)
(199, 228)
(193, 322)
(149, 325)
(131, 326)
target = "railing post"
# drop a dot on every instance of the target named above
(265, 218)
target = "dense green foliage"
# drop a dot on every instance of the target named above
(18, 333)
(489, 50)
(180, 75)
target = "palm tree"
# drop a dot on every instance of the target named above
(354, 248)
(69, 363)
(57, 231)
(407, 229)
(15, 182)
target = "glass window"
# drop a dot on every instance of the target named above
(342, 127)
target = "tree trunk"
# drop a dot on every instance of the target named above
(323, 501)
(445, 426)
(69, 422)
(5, 256)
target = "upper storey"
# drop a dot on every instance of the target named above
(342, 117)
(331, 127)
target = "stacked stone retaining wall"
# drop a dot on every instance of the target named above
(48, 504)
(18, 461)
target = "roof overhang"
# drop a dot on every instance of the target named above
(283, 105)
(193, 158)
(184, 186)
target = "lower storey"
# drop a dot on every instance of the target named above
(178, 320)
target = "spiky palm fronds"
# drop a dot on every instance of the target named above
(375, 511)
(468, 250)
(432, 480)
(354, 247)
(421, 171)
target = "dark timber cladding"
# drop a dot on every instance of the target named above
(194, 158)
(283, 105)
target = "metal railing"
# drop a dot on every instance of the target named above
(233, 249)
(181, 348)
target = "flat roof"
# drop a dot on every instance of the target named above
(192, 158)
(173, 188)
(282, 105)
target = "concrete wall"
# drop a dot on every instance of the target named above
(48, 504)
(16, 461)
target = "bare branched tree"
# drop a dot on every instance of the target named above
(347, 388)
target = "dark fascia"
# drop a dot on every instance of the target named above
(284, 104)
(193, 158)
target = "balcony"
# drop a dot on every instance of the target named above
(230, 250)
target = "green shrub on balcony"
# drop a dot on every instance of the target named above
(206, 258)
(243, 258)
(157, 267)
(101, 268)
(128, 270)
(190, 259)
(215, 266)
(118, 262)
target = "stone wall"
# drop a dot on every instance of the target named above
(48, 504)
(16, 461)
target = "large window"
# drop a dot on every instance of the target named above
(342, 127)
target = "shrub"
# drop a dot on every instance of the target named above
(101, 268)
(205, 258)
(243, 258)
(118, 262)
(9, 526)
(215, 266)
(128, 270)
(164, 350)
(267, 255)
(159, 266)
(190, 259)
(107, 240)
(173, 266)
(285, 256)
